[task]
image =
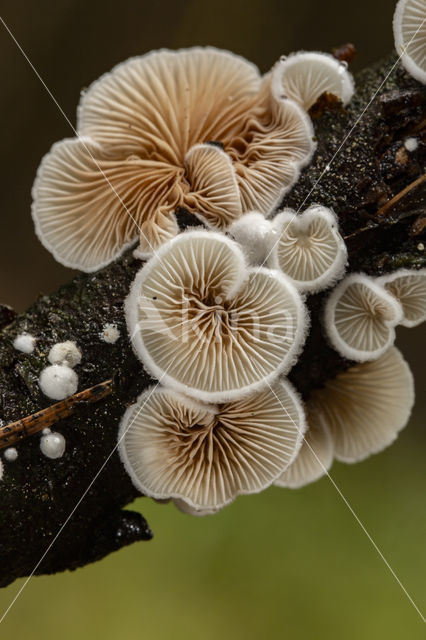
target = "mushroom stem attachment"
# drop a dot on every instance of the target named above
(14, 432)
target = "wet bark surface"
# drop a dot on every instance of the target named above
(82, 494)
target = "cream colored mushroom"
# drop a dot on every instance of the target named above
(141, 153)
(304, 76)
(204, 456)
(308, 248)
(360, 318)
(207, 325)
(253, 233)
(366, 406)
(409, 30)
(409, 288)
(315, 456)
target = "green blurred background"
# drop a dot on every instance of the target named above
(283, 564)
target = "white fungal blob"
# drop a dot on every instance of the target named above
(10, 454)
(53, 445)
(24, 342)
(109, 333)
(66, 353)
(411, 144)
(58, 381)
(252, 231)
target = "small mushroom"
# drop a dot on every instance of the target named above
(66, 353)
(409, 30)
(409, 288)
(360, 318)
(304, 76)
(204, 456)
(315, 456)
(1, 469)
(196, 128)
(58, 381)
(24, 342)
(253, 233)
(205, 324)
(366, 406)
(309, 248)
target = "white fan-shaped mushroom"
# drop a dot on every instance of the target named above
(144, 149)
(203, 455)
(360, 318)
(206, 325)
(304, 76)
(409, 288)
(366, 406)
(409, 30)
(253, 232)
(315, 455)
(308, 248)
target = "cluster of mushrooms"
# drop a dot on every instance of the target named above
(217, 312)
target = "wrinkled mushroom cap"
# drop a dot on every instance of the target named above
(203, 455)
(205, 324)
(409, 30)
(315, 456)
(366, 406)
(304, 76)
(360, 318)
(409, 288)
(193, 128)
(308, 248)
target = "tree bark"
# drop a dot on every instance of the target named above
(384, 227)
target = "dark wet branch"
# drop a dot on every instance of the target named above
(372, 187)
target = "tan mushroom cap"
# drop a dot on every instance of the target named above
(366, 406)
(304, 76)
(409, 29)
(205, 456)
(309, 248)
(315, 456)
(360, 318)
(142, 153)
(409, 288)
(206, 325)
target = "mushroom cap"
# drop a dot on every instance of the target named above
(252, 232)
(409, 288)
(142, 152)
(366, 406)
(65, 353)
(360, 318)
(309, 248)
(58, 381)
(304, 76)
(316, 453)
(204, 455)
(409, 30)
(24, 342)
(205, 324)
